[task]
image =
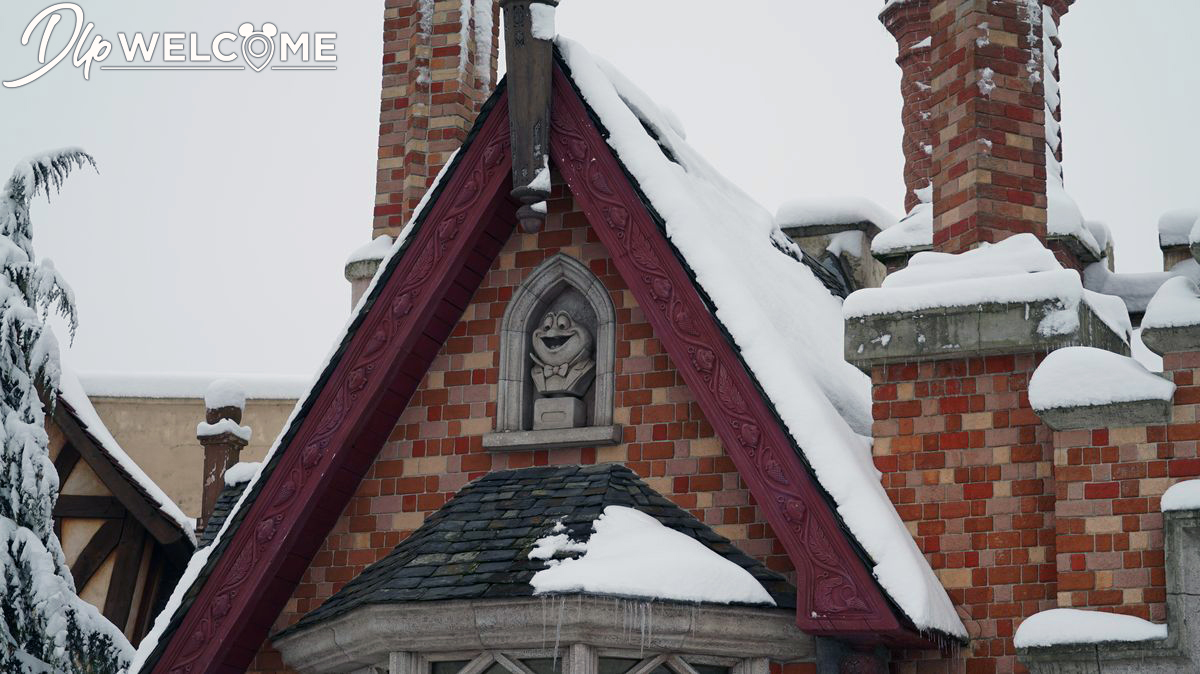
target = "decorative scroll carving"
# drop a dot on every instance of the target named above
(371, 351)
(837, 586)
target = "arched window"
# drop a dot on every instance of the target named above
(557, 348)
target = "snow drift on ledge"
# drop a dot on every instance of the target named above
(1078, 376)
(1016, 270)
(631, 554)
(1181, 496)
(1063, 626)
(787, 325)
(1175, 305)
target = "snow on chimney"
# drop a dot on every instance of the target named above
(363, 263)
(223, 438)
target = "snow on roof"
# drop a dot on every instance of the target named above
(241, 472)
(375, 249)
(786, 324)
(1016, 270)
(1175, 305)
(1077, 376)
(1175, 226)
(632, 554)
(1061, 626)
(307, 391)
(832, 211)
(914, 230)
(1136, 289)
(72, 393)
(1182, 496)
(188, 385)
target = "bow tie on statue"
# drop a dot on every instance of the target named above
(551, 370)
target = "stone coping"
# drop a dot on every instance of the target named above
(587, 436)
(1172, 340)
(1126, 413)
(984, 329)
(1075, 245)
(362, 270)
(366, 636)
(870, 229)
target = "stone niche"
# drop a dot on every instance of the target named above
(557, 347)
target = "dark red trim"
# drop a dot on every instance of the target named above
(319, 468)
(837, 594)
(323, 460)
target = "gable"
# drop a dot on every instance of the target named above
(403, 322)
(436, 445)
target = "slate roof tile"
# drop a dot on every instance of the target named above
(477, 545)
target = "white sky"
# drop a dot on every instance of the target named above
(214, 236)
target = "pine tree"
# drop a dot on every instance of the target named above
(44, 625)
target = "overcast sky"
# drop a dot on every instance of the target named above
(213, 236)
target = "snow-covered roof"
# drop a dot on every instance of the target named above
(1136, 289)
(913, 232)
(188, 385)
(71, 392)
(632, 554)
(788, 327)
(825, 210)
(786, 323)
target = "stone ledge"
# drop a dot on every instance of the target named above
(945, 333)
(870, 229)
(362, 270)
(588, 436)
(1172, 340)
(365, 636)
(1128, 413)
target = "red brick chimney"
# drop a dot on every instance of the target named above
(908, 22)
(439, 66)
(988, 121)
(223, 438)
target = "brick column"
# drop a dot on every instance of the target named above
(968, 465)
(1110, 542)
(988, 121)
(438, 69)
(908, 22)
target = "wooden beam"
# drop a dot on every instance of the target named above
(126, 568)
(163, 530)
(79, 505)
(95, 552)
(150, 593)
(65, 462)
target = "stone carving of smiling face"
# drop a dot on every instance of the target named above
(562, 356)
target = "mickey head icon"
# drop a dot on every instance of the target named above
(258, 47)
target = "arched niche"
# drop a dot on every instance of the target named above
(561, 283)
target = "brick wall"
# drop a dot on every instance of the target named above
(433, 87)
(909, 23)
(1109, 481)
(989, 162)
(968, 465)
(436, 446)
